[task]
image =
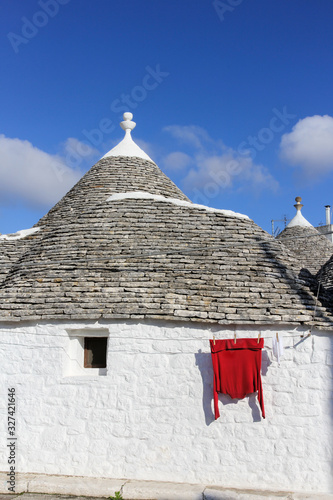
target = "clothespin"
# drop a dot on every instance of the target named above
(214, 339)
(277, 337)
(259, 337)
(235, 338)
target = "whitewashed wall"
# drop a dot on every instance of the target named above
(150, 416)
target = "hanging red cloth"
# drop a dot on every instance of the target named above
(237, 368)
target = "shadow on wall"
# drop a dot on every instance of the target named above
(203, 360)
(325, 297)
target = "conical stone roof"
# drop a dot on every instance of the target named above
(311, 248)
(10, 251)
(109, 176)
(325, 276)
(125, 243)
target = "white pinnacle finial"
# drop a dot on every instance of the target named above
(127, 146)
(127, 124)
(298, 205)
(299, 220)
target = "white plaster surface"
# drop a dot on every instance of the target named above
(20, 234)
(220, 494)
(224, 494)
(299, 220)
(48, 487)
(127, 147)
(150, 417)
(73, 360)
(142, 195)
(63, 485)
(153, 490)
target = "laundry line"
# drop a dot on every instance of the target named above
(83, 334)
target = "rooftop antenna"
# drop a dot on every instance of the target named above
(285, 220)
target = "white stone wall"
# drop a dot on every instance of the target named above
(151, 416)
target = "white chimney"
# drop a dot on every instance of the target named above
(328, 214)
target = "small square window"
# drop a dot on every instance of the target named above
(95, 349)
(86, 352)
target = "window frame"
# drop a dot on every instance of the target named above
(74, 355)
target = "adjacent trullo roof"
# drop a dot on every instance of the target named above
(311, 248)
(126, 243)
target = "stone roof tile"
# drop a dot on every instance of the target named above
(311, 248)
(100, 256)
(325, 276)
(133, 258)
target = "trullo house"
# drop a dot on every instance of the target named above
(311, 248)
(107, 306)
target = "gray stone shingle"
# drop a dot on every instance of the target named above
(311, 248)
(148, 259)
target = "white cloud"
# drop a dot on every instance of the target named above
(31, 176)
(216, 167)
(177, 161)
(229, 171)
(83, 149)
(310, 145)
(146, 147)
(189, 134)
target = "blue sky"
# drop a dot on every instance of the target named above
(232, 99)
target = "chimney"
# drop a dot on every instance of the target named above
(328, 214)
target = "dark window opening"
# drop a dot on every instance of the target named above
(95, 352)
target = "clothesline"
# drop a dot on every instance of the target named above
(260, 336)
(285, 335)
(124, 351)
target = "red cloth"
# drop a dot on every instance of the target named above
(237, 369)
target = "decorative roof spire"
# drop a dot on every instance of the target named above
(298, 205)
(299, 220)
(127, 146)
(127, 124)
